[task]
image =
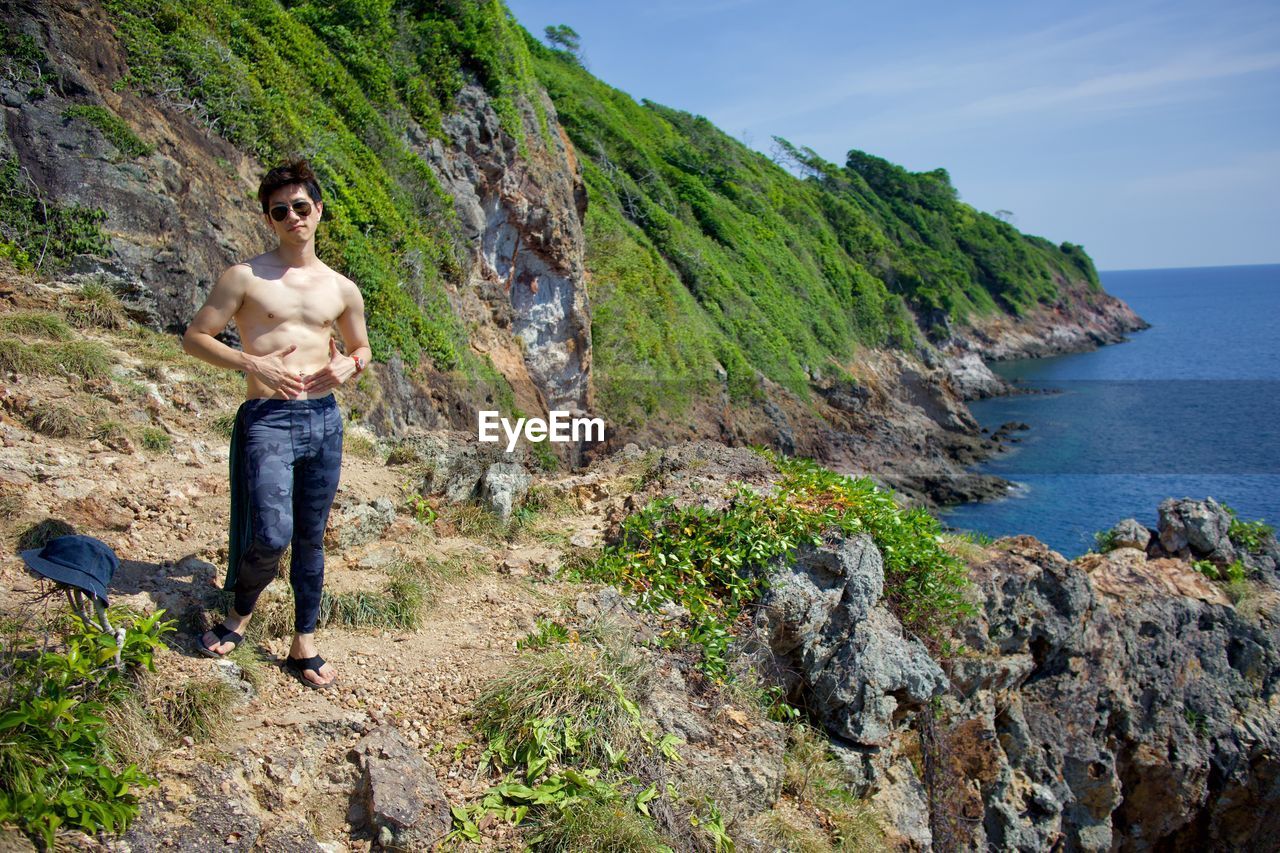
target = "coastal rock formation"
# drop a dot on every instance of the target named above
(1082, 319)
(1109, 715)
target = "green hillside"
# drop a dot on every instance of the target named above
(701, 252)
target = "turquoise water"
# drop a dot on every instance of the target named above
(1187, 408)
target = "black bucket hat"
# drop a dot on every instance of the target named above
(79, 561)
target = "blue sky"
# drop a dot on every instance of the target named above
(1148, 132)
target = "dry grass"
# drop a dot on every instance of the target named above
(57, 420)
(36, 535)
(358, 443)
(96, 305)
(784, 827)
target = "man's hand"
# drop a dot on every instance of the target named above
(339, 369)
(272, 372)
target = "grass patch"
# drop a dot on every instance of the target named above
(594, 824)
(156, 440)
(359, 444)
(784, 827)
(112, 127)
(403, 453)
(224, 424)
(36, 324)
(569, 700)
(18, 357)
(115, 435)
(96, 306)
(58, 420)
(196, 708)
(82, 359)
(471, 521)
(398, 605)
(715, 564)
(576, 757)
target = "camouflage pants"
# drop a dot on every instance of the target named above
(292, 458)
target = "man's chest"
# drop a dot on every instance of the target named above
(314, 302)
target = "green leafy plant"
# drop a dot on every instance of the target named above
(1104, 541)
(35, 232)
(1249, 535)
(546, 633)
(57, 769)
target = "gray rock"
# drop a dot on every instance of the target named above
(841, 652)
(1130, 533)
(971, 378)
(359, 523)
(1197, 529)
(903, 804)
(504, 485)
(400, 793)
(1144, 721)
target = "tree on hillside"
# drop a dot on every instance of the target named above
(564, 37)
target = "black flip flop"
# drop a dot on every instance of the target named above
(299, 666)
(224, 634)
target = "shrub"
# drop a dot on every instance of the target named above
(35, 232)
(1249, 535)
(715, 564)
(1104, 541)
(57, 768)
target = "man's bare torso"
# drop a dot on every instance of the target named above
(285, 306)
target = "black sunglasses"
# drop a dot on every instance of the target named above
(300, 207)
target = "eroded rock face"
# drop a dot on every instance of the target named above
(1120, 715)
(521, 215)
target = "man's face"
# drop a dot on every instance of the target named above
(293, 228)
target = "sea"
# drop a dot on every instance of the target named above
(1187, 408)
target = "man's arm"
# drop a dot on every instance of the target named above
(351, 323)
(356, 337)
(223, 302)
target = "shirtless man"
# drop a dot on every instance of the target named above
(287, 447)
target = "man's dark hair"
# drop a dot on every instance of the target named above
(296, 172)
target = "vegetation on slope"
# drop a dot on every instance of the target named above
(708, 262)
(789, 275)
